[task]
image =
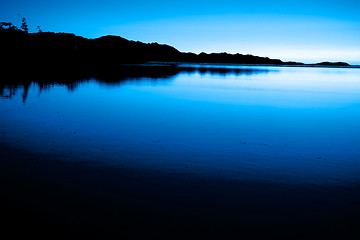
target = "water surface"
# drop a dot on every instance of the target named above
(267, 124)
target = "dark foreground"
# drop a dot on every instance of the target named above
(46, 197)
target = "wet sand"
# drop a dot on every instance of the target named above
(43, 196)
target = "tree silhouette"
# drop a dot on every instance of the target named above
(24, 25)
(7, 25)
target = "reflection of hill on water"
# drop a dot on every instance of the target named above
(12, 81)
(230, 71)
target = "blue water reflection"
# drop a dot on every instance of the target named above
(293, 125)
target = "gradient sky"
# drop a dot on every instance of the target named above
(307, 30)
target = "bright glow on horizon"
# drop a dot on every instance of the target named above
(289, 38)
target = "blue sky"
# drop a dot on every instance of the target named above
(308, 31)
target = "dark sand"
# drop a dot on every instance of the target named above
(48, 198)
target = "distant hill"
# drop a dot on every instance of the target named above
(47, 51)
(333, 64)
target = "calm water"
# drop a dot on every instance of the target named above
(280, 124)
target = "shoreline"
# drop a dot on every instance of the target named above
(250, 65)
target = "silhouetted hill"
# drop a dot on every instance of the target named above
(333, 64)
(48, 51)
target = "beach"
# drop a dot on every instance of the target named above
(46, 197)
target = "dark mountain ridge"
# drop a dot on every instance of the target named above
(47, 51)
